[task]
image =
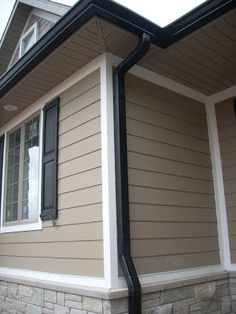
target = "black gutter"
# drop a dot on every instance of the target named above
(84, 10)
(121, 166)
(196, 18)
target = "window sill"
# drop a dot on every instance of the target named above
(22, 227)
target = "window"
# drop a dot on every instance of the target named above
(21, 197)
(28, 40)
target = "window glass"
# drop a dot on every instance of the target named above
(13, 164)
(22, 174)
(31, 170)
(28, 41)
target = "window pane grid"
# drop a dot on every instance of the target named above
(30, 172)
(22, 175)
(13, 176)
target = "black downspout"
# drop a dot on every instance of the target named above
(122, 193)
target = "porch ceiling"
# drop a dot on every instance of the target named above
(204, 60)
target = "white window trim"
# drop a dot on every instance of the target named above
(32, 28)
(27, 226)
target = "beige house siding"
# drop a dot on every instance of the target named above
(226, 121)
(173, 219)
(75, 244)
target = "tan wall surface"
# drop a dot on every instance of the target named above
(75, 244)
(173, 219)
(226, 121)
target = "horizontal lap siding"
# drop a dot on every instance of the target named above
(172, 209)
(226, 121)
(75, 245)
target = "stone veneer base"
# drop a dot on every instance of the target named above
(212, 294)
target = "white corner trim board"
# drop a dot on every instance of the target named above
(221, 212)
(108, 175)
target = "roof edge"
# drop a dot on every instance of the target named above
(84, 10)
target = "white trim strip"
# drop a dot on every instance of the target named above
(108, 176)
(223, 95)
(53, 278)
(162, 81)
(221, 213)
(183, 274)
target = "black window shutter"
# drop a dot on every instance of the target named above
(50, 160)
(1, 166)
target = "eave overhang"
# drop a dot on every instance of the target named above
(93, 27)
(114, 13)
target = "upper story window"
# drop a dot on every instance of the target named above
(28, 39)
(21, 195)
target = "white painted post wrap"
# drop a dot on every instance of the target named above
(221, 213)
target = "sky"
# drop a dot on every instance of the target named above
(162, 12)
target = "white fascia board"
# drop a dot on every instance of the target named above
(9, 22)
(46, 15)
(48, 6)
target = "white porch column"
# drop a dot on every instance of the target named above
(221, 213)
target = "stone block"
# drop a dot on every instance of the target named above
(210, 306)
(163, 309)
(60, 309)
(232, 287)
(149, 296)
(234, 306)
(13, 291)
(73, 297)
(181, 310)
(150, 303)
(33, 309)
(75, 311)
(116, 306)
(49, 305)
(205, 291)
(50, 296)
(195, 307)
(47, 311)
(26, 291)
(92, 304)
(38, 297)
(3, 290)
(60, 298)
(74, 304)
(5, 307)
(171, 295)
(19, 306)
(226, 305)
(2, 298)
(222, 290)
(187, 292)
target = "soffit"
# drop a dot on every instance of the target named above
(81, 48)
(204, 60)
